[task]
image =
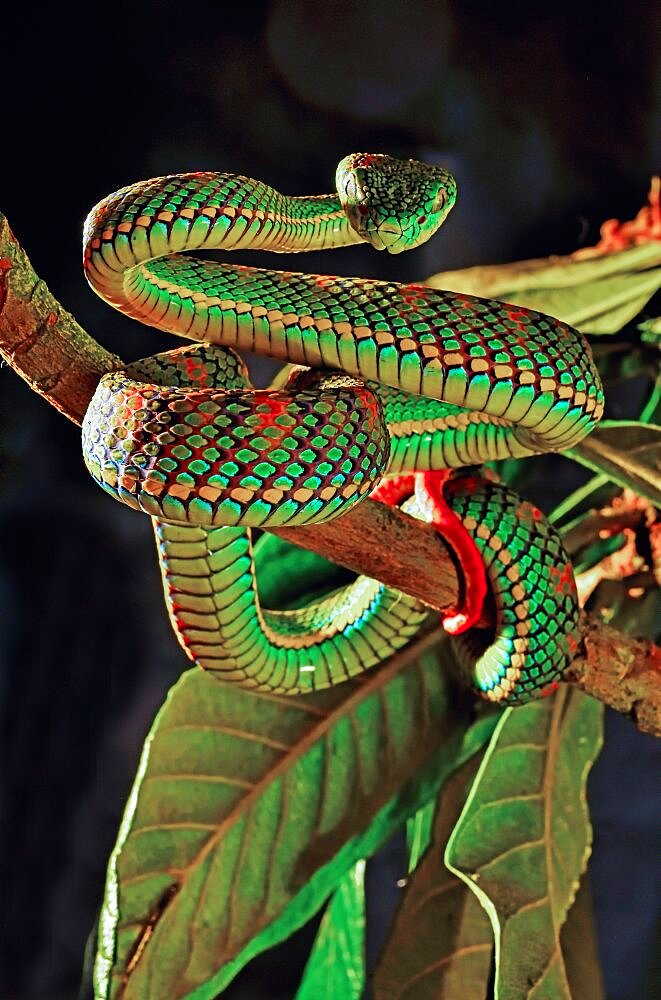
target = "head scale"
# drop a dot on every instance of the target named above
(394, 204)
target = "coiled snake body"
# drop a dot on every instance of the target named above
(411, 379)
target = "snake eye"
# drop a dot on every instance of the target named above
(439, 202)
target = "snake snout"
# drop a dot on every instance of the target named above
(393, 239)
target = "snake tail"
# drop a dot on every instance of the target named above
(515, 571)
(532, 586)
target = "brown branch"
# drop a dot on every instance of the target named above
(622, 672)
(60, 361)
(43, 342)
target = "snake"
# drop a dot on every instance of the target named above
(383, 380)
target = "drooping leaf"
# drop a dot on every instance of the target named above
(578, 942)
(441, 944)
(523, 838)
(419, 790)
(628, 451)
(597, 294)
(420, 826)
(419, 830)
(336, 966)
(248, 809)
(597, 307)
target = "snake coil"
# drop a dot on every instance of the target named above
(406, 379)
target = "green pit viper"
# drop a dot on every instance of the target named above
(397, 378)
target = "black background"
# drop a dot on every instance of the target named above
(549, 118)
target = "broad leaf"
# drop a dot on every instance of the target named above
(628, 451)
(336, 966)
(441, 944)
(248, 810)
(523, 838)
(598, 294)
(424, 790)
(578, 941)
(597, 307)
(420, 826)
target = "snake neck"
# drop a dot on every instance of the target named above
(526, 369)
(201, 211)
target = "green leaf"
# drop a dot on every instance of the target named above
(628, 451)
(523, 839)
(336, 966)
(650, 332)
(419, 829)
(291, 577)
(597, 294)
(419, 833)
(578, 941)
(248, 809)
(441, 944)
(597, 307)
(420, 826)
(579, 498)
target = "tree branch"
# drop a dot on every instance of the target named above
(60, 361)
(623, 672)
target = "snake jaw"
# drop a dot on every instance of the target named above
(387, 237)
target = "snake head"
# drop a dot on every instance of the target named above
(394, 204)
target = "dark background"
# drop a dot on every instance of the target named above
(550, 120)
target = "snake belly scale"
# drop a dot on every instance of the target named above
(405, 378)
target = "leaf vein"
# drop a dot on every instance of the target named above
(219, 779)
(469, 949)
(436, 891)
(174, 825)
(512, 850)
(229, 731)
(174, 872)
